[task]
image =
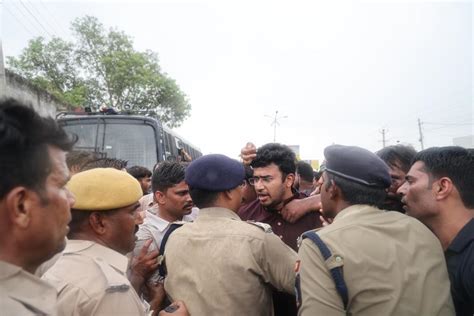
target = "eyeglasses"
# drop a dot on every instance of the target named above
(265, 180)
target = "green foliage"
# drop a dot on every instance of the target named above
(102, 68)
(51, 66)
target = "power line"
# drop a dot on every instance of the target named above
(448, 124)
(24, 17)
(439, 107)
(46, 20)
(438, 128)
(19, 21)
(52, 14)
(34, 17)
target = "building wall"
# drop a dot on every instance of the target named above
(465, 141)
(42, 102)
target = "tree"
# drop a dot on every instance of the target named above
(51, 66)
(102, 68)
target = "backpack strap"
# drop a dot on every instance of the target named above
(336, 272)
(162, 267)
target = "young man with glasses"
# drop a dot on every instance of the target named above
(274, 167)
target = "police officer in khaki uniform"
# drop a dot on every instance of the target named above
(34, 206)
(220, 265)
(388, 263)
(90, 276)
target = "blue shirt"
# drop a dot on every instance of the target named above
(460, 261)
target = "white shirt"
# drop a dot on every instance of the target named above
(154, 227)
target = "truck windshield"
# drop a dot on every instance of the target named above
(133, 142)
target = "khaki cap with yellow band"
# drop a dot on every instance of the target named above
(103, 189)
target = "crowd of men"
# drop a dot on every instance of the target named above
(385, 233)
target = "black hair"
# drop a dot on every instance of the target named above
(399, 156)
(203, 198)
(166, 175)
(139, 172)
(248, 173)
(454, 162)
(115, 163)
(357, 193)
(280, 155)
(171, 158)
(79, 158)
(79, 218)
(317, 175)
(305, 171)
(24, 140)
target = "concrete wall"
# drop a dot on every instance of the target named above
(2, 72)
(465, 141)
(42, 102)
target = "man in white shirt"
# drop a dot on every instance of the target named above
(173, 204)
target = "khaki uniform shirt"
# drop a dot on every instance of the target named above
(91, 280)
(22, 293)
(220, 265)
(392, 265)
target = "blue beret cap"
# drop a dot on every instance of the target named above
(358, 165)
(214, 173)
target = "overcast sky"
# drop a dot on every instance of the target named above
(336, 71)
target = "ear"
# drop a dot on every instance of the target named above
(98, 223)
(20, 204)
(227, 194)
(290, 180)
(160, 197)
(333, 190)
(75, 169)
(443, 188)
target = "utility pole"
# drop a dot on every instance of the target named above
(421, 134)
(383, 136)
(275, 123)
(3, 83)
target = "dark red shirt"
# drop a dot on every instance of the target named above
(288, 232)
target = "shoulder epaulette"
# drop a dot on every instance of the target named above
(266, 228)
(115, 281)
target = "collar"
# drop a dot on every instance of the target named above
(147, 200)
(154, 220)
(153, 209)
(463, 238)
(354, 210)
(94, 250)
(8, 270)
(216, 212)
(28, 289)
